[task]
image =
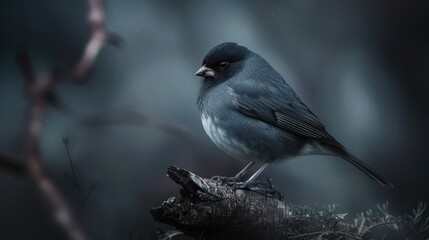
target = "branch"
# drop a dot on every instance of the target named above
(13, 164)
(40, 92)
(60, 209)
(26, 67)
(127, 116)
(215, 210)
(99, 37)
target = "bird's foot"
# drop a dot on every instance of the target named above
(264, 188)
(245, 185)
(224, 180)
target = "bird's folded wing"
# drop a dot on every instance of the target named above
(279, 106)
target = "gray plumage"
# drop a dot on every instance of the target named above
(249, 111)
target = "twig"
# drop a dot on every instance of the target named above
(37, 103)
(99, 37)
(25, 65)
(130, 117)
(40, 93)
(389, 222)
(361, 226)
(93, 187)
(125, 115)
(12, 164)
(74, 181)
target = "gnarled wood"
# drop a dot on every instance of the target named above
(215, 210)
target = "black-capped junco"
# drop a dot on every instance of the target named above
(249, 111)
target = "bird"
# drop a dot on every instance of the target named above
(249, 111)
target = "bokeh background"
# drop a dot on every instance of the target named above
(361, 66)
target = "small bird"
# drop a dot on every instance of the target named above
(249, 111)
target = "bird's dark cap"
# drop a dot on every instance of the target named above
(225, 52)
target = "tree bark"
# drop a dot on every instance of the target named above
(216, 210)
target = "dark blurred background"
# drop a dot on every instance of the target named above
(361, 66)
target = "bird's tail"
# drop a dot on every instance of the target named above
(364, 167)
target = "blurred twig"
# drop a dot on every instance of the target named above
(74, 181)
(12, 164)
(40, 92)
(99, 36)
(37, 92)
(125, 115)
(128, 116)
(92, 188)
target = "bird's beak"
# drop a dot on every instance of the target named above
(205, 72)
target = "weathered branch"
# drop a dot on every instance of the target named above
(214, 210)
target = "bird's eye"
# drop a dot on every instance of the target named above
(223, 65)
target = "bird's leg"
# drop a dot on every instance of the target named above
(250, 184)
(236, 177)
(251, 180)
(256, 174)
(244, 171)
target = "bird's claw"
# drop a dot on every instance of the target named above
(244, 185)
(264, 188)
(236, 183)
(257, 187)
(224, 180)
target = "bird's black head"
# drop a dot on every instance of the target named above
(222, 59)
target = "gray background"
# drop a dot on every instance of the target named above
(361, 66)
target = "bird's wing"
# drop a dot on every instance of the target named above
(278, 105)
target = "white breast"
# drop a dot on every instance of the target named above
(222, 139)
